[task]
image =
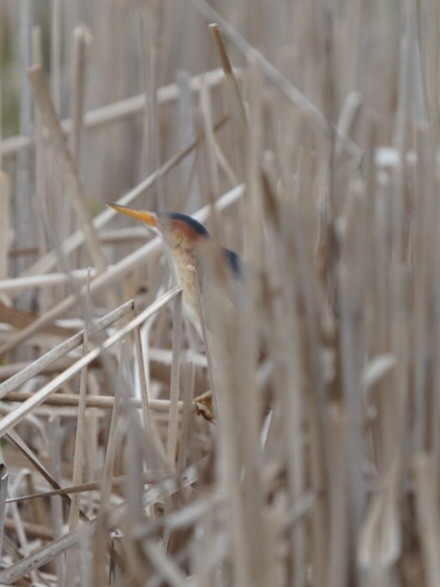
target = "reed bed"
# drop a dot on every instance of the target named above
(305, 136)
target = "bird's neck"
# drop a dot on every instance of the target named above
(180, 262)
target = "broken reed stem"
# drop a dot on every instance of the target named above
(274, 75)
(238, 127)
(59, 144)
(227, 68)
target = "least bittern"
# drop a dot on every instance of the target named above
(187, 244)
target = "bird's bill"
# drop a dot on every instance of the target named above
(147, 217)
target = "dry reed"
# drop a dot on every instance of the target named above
(305, 134)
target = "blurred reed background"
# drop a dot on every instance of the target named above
(316, 158)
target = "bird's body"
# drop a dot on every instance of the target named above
(183, 254)
(187, 245)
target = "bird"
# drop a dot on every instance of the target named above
(188, 246)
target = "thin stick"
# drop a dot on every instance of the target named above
(67, 164)
(78, 459)
(145, 403)
(114, 436)
(116, 111)
(15, 416)
(29, 454)
(116, 482)
(3, 494)
(17, 284)
(61, 350)
(148, 420)
(102, 402)
(168, 569)
(30, 528)
(175, 382)
(227, 67)
(4, 223)
(339, 543)
(55, 53)
(82, 38)
(427, 518)
(54, 549)
(24, 197)
(188, 392)
(42, 556)
(209, 153)
(56, 503)
(16, 519)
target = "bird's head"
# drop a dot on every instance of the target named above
(178, 230)
(187, 239)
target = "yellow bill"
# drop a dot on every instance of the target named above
(147, 217)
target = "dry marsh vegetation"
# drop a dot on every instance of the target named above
(305, 134)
